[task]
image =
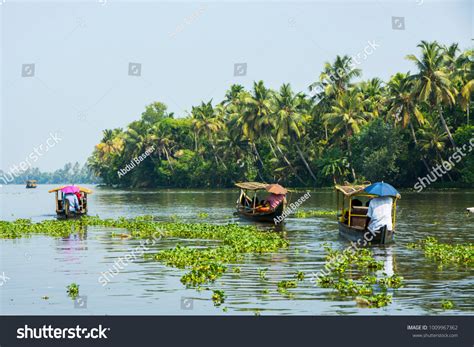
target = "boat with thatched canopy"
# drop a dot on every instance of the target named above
(63, 208)
(352, 207)
(260, 210)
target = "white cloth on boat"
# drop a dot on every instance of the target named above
(73, 202)
(380, 213)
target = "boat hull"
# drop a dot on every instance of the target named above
(358, 235)
(266, 217)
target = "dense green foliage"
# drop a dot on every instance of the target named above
(342, 130)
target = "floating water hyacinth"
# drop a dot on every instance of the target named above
(314, 213)
(341, 264)
(73, 290)
(445, 253)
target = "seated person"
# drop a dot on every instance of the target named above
(356, 203)
(275, 199)
(380, 213)
(73, 202)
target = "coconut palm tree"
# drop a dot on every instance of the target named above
(374, 96)
(207, 122)
(403, 107)
(433, 85)
(335, 78)
(288, 119)
(346, 118)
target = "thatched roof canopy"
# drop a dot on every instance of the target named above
(349, 190)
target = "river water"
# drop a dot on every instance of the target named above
(40, 266)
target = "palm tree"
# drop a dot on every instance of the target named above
(206, 122)
(346, 118)
(433, 139)
(403, 107)
(256, 108)
(433, 85)
(335, 78)
(374, 96)
(288, 119)
(465, 75)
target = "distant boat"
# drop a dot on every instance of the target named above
(470, 209)
(352, 217)
(252, 209)
(62, 204)
(31, 184)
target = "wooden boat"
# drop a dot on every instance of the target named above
(249, 208)
(352, 218)
(31, 184)
(62, 204)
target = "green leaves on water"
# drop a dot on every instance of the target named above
(447, 304)
(218, 297)
(314, 213)
(444, 253)
(73, 290)
(361, 265)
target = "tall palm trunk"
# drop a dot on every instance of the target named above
(257, 155)
(218, 158)
(349, 150)
(441, 162)
(305, 162)
(445, 125)
(287, 161)
(415, 140)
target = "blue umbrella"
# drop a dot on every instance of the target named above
(382, 189)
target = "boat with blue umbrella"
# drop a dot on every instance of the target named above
(367, 212)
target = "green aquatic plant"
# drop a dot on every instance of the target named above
(445, 253)
(314, 213)
(203, 274)
(204, 265)
(447, 304)
(299, 275)
(262, 273)
(203, 215)
(73, 290)
(218, 297)
(362, 266)
(393, 281)
(287, 284)
(377, 300)
(236, 270)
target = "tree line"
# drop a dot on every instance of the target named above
(342, 129)
(70, 173)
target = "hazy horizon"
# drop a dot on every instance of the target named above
(187, 51)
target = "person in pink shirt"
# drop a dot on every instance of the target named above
(275, 199)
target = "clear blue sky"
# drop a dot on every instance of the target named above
(81, 53)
